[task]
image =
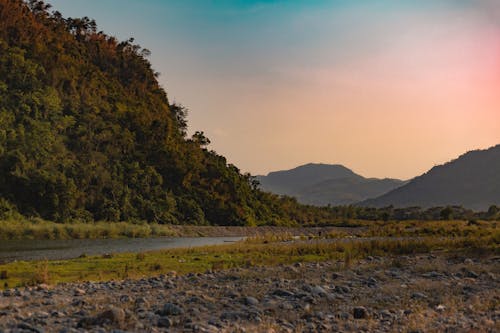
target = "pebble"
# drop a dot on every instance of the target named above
(259, 299)
(360, 312)
(170, 309)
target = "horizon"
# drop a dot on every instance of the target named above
(353, 170)
(388, 89)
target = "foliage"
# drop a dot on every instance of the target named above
(413, 213)
(87, 133)
(37, 229)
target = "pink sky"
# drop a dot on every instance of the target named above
(423, 95)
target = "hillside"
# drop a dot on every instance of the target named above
(323, 184)
(87, 133)
(472, 181)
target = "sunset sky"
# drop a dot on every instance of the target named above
(387, 88)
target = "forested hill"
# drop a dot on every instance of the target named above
(86, 132)
(471, 181)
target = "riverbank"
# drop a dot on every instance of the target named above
(37, 229)
(267, 250)
(433, 292)
(327, 280)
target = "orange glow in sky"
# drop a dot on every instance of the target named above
(387, 88)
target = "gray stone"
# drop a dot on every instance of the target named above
(418, 295)
(249, 300)
(283, 293)
(471, 274)
(164, 322)
(27, 327)
(112, 314)
(231, 316)
(170, 309)
(360, 312)
(318, 290)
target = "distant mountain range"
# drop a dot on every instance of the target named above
(323, 184)
(472, 181)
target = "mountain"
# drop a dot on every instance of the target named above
(323, 184)
(87, 133)
(472, 181)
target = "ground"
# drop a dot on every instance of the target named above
(433, 292)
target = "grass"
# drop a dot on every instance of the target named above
(36, 229)
(254, 252)
(429, 228)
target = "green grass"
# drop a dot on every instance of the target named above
(242, 254)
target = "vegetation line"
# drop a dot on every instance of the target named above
(37, 229)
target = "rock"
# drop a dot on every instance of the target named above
(42, 315)
(170, 309)
(27, 327)
(440, 308)
(125, 298)
(418, 295)
(42, 287)
(385, 315)
(371, 281)
(141, 302)
(471, 274)
(360, 312)
(231, 316)
(468, 261)
(432, 274)
(283, 293)
(68, 330)
(113, 315)
(287, 306)
(318, 290)
(79, 292)
(249, 300)
(56, 314)
(164, 322)
(215, 322)
(342, 289)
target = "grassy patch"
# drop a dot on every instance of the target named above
(35, 229)
(430, 228)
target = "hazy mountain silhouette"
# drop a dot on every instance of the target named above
(323, 184)
(472, 180)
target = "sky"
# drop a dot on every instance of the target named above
(388, 88)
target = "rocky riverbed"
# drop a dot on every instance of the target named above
(424, 293)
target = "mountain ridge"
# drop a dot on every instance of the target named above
(325, 184)
(471, 180)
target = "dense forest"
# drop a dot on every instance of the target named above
(87, 133)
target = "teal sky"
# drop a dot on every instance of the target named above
(387, 88)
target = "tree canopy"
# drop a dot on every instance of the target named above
(87, 132)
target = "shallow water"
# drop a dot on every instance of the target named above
(66, 249)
